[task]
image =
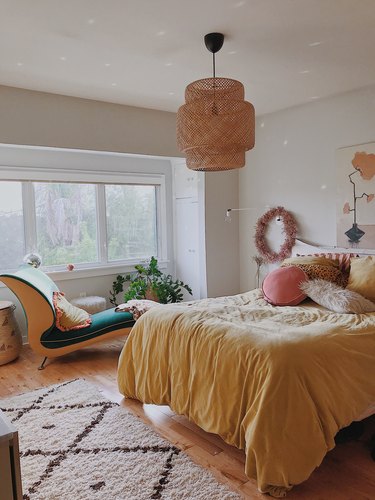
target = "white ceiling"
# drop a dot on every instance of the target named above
(144, 52)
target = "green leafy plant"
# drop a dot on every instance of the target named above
(148, 282)
(117, 287)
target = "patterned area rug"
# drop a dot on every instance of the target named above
(76, 445)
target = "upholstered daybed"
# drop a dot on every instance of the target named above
(34, 289)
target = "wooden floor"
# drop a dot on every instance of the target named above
(347, 472)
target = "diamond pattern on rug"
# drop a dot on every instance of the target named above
(32, 468)
(140, 471)
(41, 421)
(111, 432)
(77, 445)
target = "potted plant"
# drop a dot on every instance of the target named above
(148, 282)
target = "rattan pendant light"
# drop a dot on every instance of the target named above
(216, 126)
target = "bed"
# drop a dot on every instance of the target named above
(278, 382)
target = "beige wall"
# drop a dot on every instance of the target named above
(41, 119)
(222, 239)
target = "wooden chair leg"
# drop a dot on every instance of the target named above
(41, 367)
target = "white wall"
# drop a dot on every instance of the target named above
(293, 165)
(189, 229)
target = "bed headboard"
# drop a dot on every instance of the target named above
(302, 247)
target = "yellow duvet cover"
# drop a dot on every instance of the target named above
(278, 382)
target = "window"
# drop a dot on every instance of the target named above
(131, 221)
(66, 226)
(12, 239)
(86, 224)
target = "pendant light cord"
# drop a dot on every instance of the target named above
(214, 108)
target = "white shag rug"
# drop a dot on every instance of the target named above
(76, 445)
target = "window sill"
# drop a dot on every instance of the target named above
(93, 272)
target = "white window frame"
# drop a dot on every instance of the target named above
(27, 175)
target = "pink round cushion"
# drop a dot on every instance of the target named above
(281, 286)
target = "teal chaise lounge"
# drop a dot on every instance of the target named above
(34, 290)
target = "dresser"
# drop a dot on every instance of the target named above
(10, 470)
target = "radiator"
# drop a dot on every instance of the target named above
(10, 470)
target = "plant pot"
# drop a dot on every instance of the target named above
(151, 294)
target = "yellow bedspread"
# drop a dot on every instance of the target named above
(278, 382)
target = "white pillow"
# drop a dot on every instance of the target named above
(335, 298)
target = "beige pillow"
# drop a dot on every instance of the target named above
(335, 298)
(69, 317)
(137, 307)
(310, 259)
(362, 276)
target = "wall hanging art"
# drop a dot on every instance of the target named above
(355, 222)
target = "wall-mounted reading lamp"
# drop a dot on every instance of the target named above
(228, 217)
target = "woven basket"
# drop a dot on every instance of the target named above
(10, 335)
